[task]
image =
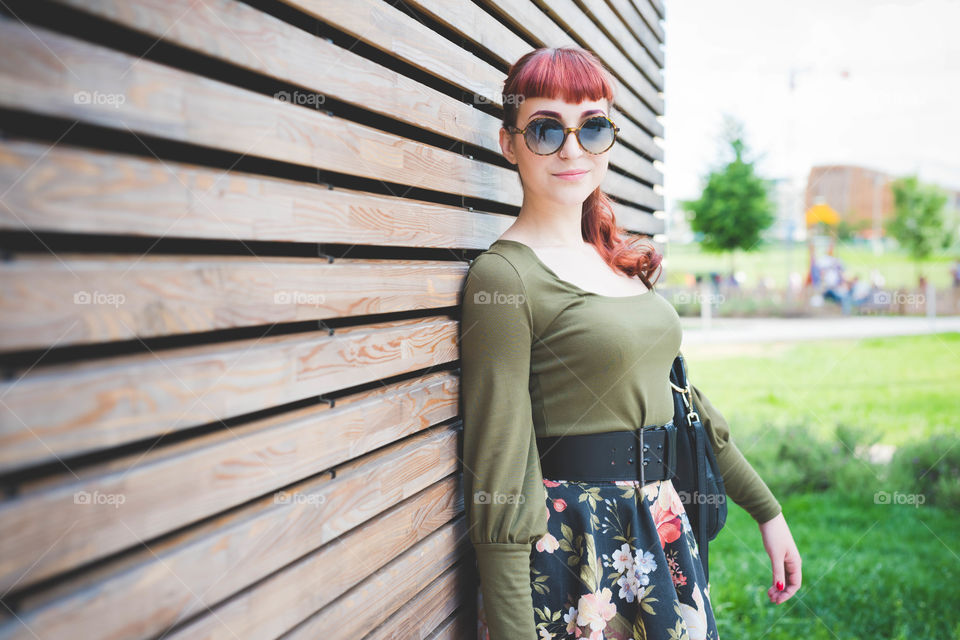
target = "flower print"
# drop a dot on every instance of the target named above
(544, 634)
(551, 483)
(559, 504)
(570, 617)
(668, 523)
(676, 504)
(547, 543)
(644, 561)
(594, 609)
(695, 617)
(629, 586)
(622, 558)
(675, 571)
(651, 490)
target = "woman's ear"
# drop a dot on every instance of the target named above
(506, 146)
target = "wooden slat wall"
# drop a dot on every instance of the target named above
(234, 236)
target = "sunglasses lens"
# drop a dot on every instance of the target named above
(597, 135)
(544, 136)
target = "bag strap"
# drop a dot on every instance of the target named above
(681, 387)
(680, 384)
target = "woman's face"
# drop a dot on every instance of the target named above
(541, 174)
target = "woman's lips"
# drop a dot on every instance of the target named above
(571, 176)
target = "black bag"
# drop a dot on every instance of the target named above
(698, 479)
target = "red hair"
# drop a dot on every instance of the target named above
(576, 75)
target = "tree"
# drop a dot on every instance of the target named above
(734, 207)
(918, 222)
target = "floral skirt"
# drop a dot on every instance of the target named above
(619, 562)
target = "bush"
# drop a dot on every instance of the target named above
(790, 464)
(930, 467)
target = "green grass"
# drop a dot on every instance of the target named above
(897, 388)
(777, 260)
(870, 570)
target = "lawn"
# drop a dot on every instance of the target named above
(777, 260)
(870, 570)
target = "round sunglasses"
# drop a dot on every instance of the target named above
(545, 136)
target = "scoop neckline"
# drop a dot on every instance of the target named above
(553, 274)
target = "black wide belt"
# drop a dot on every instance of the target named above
(647, 454)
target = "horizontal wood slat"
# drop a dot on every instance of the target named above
(174, 579)
(44, 71)
(285, 598)
(369, 604)
(652, 44)
(192, 28)
(71, 190)
(73, 299)
(240, 34)
(428, 610)
(620, 35)
(129, 398)
(573, 18)
(169, 489)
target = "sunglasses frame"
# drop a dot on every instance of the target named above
(566, 132)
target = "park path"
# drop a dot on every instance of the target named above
(734, 330)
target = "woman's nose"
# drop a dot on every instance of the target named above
(571, 146)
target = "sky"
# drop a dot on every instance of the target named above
(897, 110)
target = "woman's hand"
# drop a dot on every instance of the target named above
(784, 557)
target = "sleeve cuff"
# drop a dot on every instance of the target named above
(504, 570)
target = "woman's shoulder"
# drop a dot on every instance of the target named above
(501, 262)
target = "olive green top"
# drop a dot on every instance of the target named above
(542, 357)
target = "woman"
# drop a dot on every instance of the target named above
(561, 335)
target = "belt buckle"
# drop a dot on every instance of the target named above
(641, 453)
(671, 452)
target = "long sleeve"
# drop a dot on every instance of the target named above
(505, 499)
(741, 481)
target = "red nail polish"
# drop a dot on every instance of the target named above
(779, 586)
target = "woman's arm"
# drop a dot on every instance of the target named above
(503, 486)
